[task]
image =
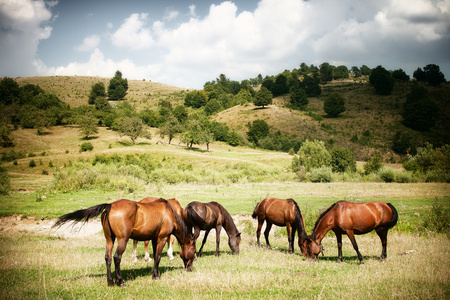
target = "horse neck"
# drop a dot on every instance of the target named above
(322, 227)
(229, 225)
(181, 231)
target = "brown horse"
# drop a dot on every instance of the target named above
(179, 210)
(281, 212)
(125, 219)
(206, 216)
(352, 218)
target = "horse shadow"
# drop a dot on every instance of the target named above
(348, 259)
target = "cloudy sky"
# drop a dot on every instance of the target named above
(186, 43)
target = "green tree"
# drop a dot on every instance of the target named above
(419, 112)
(263, 97)
(433, 74)
(131, 127)
(180, 113)
(280, 86)
(117, 88)
(5, 136)
(97, 90)
(194, 134)
(171, 128)
(326, 72)
(244, 96)
(340, 72)
(382, 81)
(400, 75)
(343, 160)
(212, 107)
(298, 98)
(9, 91)
(334, 104)
(88, 125)
(257, 130)
(365, 70)
(373, 165)
(5, 182)
(311, 155)
(195, 99)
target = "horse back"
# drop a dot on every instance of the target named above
(278, 211)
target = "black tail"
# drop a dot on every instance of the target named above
(194, 219)
(83, 214)
(255, 211)
(394, 219)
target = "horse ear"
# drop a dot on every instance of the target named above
(239, 234)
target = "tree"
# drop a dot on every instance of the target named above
(9, 91)
(365, 70)
(170, 129)
(326, 72)
(257, 130)
(419, 112)
(212, 107)
(88, 125)
(381, 80)
(97, 90)
(299, 98)
(334, 104)
(400, 75)
(131, 127)
(5, 136)
(280, 86)
(195, 99)
(343, 160)
(340, 72)
(117, 88)
(244, 96)
(311, 86)
(433, 74)
(263, 97)
(311, 155)
(195, 133)
(180, 113)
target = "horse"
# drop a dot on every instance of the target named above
(179, 210)
(206, 216)
(352, 218)
(281, 212)
(125, 219)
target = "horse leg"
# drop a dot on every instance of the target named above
(383, 236)
(290, 238)
(266, 233)
(218, 229)
(158, 246)
(108, 259)
(203, 242)
(134, 255)
(258, 231)
(339, 244)
(170, 242)
(147, 252)
(121, 245)
(351, 236)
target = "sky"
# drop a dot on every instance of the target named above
(187, 43)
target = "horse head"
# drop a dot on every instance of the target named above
(234, 242)
(310, 247)
(187, 252)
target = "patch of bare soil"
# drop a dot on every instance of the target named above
(16, 223)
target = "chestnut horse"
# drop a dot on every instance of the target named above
(281, 212)
(179, 210)
(206, 216)
(353, 218)
(125, 219)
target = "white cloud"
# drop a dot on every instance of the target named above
(89, 43)
(171, 15)
(192, 10)
(133, 34)
(22, 26)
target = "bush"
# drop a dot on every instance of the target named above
(438, 218)
(334, 105)
(312, 154)
(322, 174)
(373, 165)
(32, 163)
(86, 146)
(381, 80)
(5, 182)
(387, 175)
(343, 160)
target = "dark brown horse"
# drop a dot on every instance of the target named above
(125, 219)
(206, 216)
(281, 212)
(353, 218)
(179, 210)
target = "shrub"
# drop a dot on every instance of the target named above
(86, 146)
(322, 174)
(312, 154)
(387, 175)
(334, 105)
(373, 165)
(343, 160)
(32, 163)
(438, 218)
(5, 182)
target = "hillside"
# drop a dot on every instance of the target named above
(367, 126)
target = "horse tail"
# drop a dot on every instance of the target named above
(194, 218)
(299, 221)
(255, 211)
(394, 218)
(83, 214)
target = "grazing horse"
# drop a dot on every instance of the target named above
(206, 216)
(352, 218)
(125, 219)
(281, 212)
(179, 210)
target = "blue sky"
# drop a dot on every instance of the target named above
(186, 43)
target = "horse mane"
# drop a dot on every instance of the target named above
(320, 218)
(299, 220)
(192, 214)
(229, 223)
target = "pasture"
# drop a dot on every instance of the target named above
(40, 265)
